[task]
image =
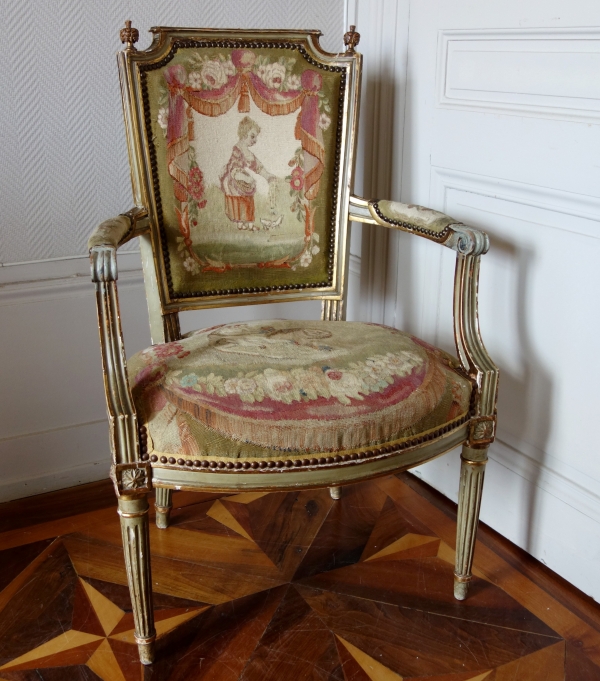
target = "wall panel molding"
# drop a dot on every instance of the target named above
(58, 279)
(583, 210)
(543, 72)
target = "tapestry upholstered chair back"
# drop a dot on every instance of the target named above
(241, 152)
(241, 147)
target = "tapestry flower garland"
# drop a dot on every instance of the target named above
(356, 382)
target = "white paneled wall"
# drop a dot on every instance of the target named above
(501, 131)
(64, 169)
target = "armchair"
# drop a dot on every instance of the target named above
(241, 145)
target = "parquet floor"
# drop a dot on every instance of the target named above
(262, 587)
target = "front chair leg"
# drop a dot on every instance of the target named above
(136, 546)
(469, 500)
(163, 504)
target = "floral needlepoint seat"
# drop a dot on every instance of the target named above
(242, 148)
(278, 392)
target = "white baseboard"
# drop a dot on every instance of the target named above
(51, 460)
(553, 476)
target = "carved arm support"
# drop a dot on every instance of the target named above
(103, 246)
(470, 244)
(117, 231)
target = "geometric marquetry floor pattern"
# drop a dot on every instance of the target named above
(262, 587)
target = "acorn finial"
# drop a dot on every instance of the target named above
(129, 36)
(351, 40)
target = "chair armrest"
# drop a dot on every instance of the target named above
(469, 244)
(121, 411)
(117, 231)
(421, 221)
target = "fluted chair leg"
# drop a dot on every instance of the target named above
(472, 471)
(335, 493)
(136, 547)
(163, 504)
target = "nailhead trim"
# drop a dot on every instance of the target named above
(349, 459)
(438, 236)
(231, 44)
(143, 443)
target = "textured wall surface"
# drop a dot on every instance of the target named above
(64, 169)
(64, 161)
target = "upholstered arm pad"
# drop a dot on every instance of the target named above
(418, 218)
(110, 232)
(108, 236)
(422, 221)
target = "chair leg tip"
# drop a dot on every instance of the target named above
(335, 493)
(162, 520)
(460, 589)
(146, 652)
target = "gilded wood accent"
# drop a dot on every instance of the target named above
(163, 503)
(332, 310)
(171, 326)
(351, 40)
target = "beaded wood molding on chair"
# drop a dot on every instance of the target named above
(241, 145)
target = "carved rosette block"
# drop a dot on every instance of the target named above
(163, 504)
(482, 430)
(136, 548)
(132, 479)
(351, 40)
(469, 502)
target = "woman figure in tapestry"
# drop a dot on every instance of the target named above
(237, 184)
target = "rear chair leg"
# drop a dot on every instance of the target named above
(136, 547)
(472, 471)
(163, 503)
(335, 493)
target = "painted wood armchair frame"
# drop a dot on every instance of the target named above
(135, 474)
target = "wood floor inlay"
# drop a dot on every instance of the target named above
(271, 587)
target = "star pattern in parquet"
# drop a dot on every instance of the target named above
(256, 586)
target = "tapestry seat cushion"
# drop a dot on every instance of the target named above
(254, 390)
